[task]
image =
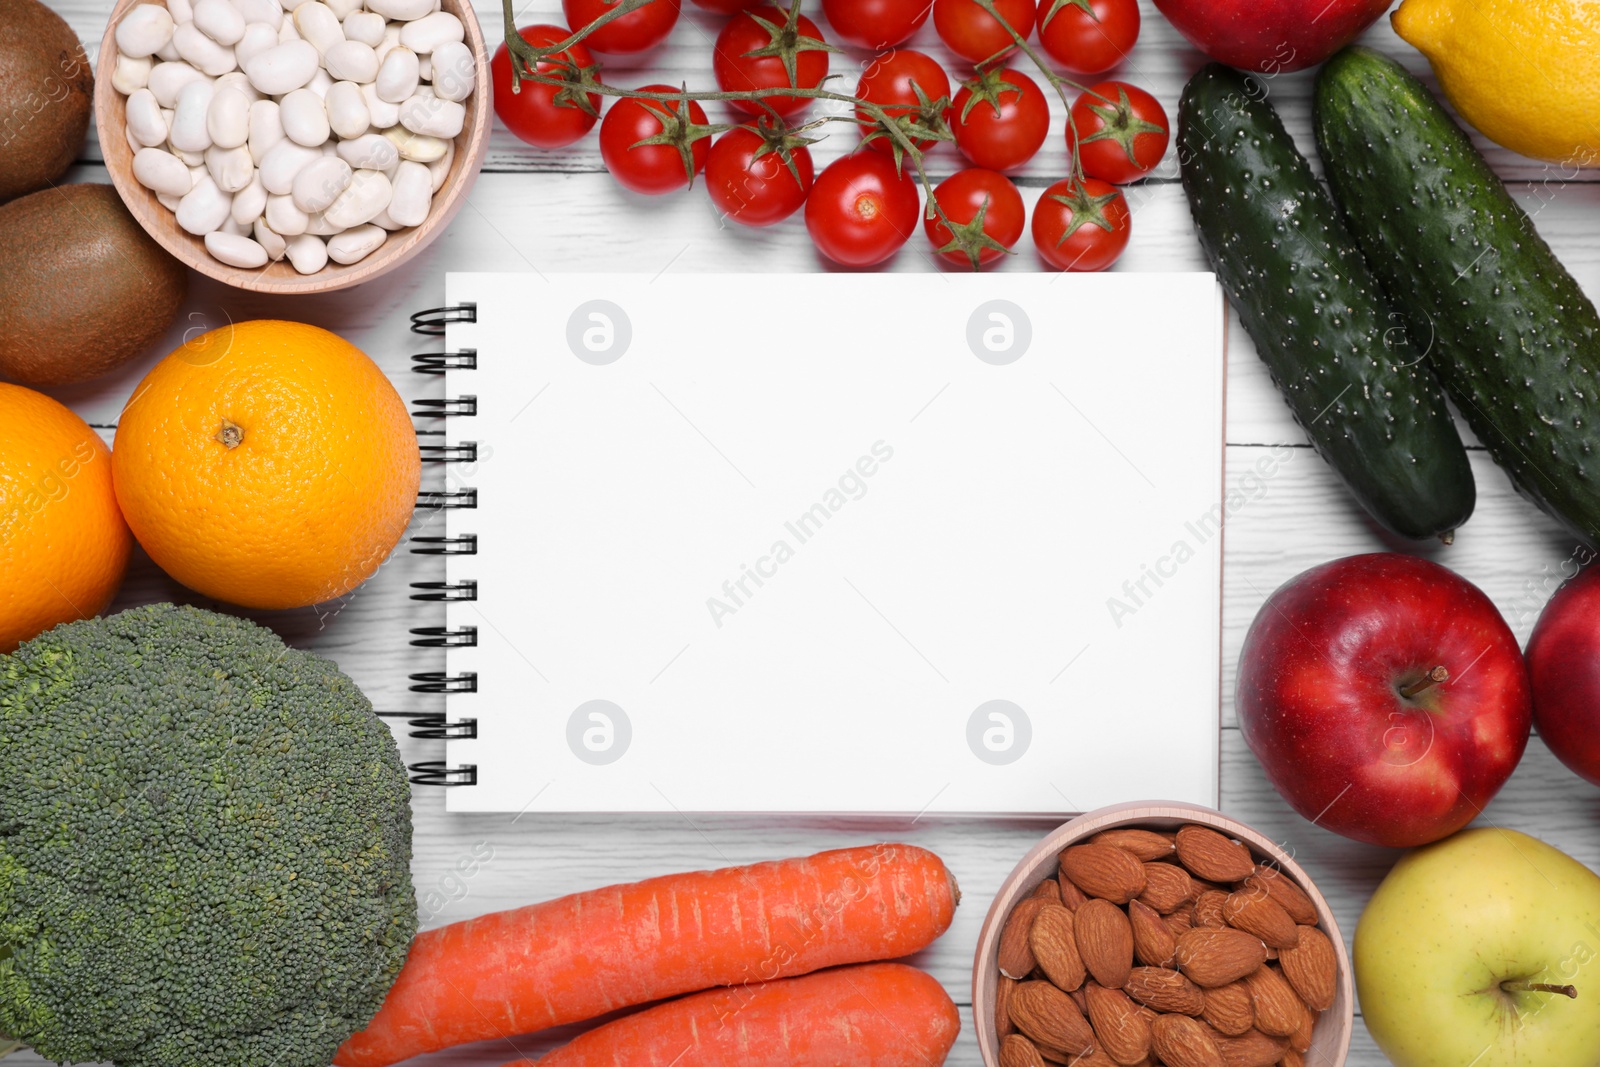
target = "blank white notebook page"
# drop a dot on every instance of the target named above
(838, 542)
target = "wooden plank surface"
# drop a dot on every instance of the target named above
(543, 212)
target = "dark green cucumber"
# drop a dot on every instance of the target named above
(1514, 340)
(1319, 319)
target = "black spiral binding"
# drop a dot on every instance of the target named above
(427, 725)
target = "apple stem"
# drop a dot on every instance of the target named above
(1428, 681)
(1522, 985)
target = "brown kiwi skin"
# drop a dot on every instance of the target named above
(83, 289)
(46, 88)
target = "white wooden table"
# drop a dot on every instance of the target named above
(558, 211)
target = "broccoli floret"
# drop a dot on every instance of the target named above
(205, 846)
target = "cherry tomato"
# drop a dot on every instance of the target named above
(1000, 118)
(962, 196)
(637, 31)
(543, 115)
(1088, 36)
(862, 209)
(891, 81)
(787, 37)
(876, 24)
(973, 34)
(653, 169)
(749, 181)
(1081, 227)
(725, 7)
(1122, 131)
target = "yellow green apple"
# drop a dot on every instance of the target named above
(1483, 949)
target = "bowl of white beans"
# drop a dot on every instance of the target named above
(293, 146)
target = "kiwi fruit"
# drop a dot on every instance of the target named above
(46, 87)
(83, 289)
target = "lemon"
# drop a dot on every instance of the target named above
(1526, 73)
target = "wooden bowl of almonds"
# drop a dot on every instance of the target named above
(293, 146)
(1162, 933)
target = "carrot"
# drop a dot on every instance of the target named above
(570, 959)
(870, 1015)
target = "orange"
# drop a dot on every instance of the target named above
(268, 464)
(63, 544)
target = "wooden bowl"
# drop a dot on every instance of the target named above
(1330, 1042)
(110, 110)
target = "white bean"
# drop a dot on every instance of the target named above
(364, 26)
(168, 79)
(290, 5)
(228, 117)
(391, 40)
(145, 123)
(427, 114)
(382, 219)
(238, 79)
(283, 68)
(320, 83)
(305, 119)
(440, 168)
(425, 68)
(190, 159)
(383, 113)
(203, 208)
(235, 228)
(284, 163)
(282, 215)
(431, 31)
(268, 11)
(416, 146)
(236, 251)
(370, 151)
(258, 37)
(397, 76)
(320, 183)
(144, 31)
(368, 193)
(131, 74)
(249, 202)
(351, 61)
(161, 172)
(353, 246)
(181, 11)
(134, 144)
(401, 10)
(271, 241)
(205, 54)
(219, 20)
(319, 227)
(230, 168)
(454, 71)
(189, 122)
(308, 254)
(287, 32)
(316, 23)
(169, 202)
(266, 129)
(413, 194)
(347, 110)
(343, 8)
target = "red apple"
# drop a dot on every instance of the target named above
(1564, 664)
(1271, 36)
(1385, 698)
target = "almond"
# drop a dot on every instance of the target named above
(1312, 968)
(1182, 1042)
(1208, 908)
(1048, 1016)
(1050, 889)
(1278, 1011)
(1211, 856)
(1293, 1058)
(1215, 957)
(1181, 921)
(1153, 944)
(1145, 844)
(1164, 990)
(1300, 1040)
(1018, 1051)
(1254, 1049)
(1015, 957)
(1055, 947)
(1228, 1009)
(1252, 911)
(1002, 1011)
(1071, 895)
(1118, 1027)
(1105, 941)
(1104, 871)
(1290, 897)
(1166, 887)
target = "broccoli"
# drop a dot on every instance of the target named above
(205, 846)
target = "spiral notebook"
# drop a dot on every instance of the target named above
(826, 543)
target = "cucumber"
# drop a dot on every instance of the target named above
(1513, 338)
(1318, 316)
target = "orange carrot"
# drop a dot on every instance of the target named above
(871, 1015)
(566, 960)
